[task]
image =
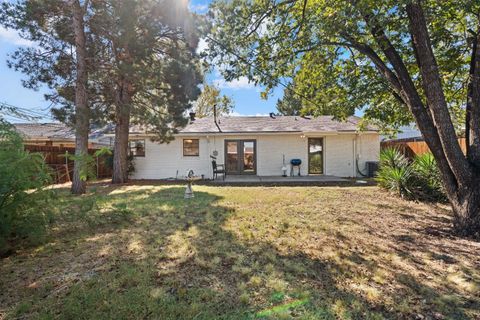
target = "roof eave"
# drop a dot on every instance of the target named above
(47, 139)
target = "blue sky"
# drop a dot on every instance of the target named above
(11, 89)
(245, 95)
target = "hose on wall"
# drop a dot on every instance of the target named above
(358, 169)
(357, 157)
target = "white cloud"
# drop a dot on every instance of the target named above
(12, 36)
(240, 83)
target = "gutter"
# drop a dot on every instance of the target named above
(247, 133)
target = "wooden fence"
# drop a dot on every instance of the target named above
(62, 167)
(412, 148)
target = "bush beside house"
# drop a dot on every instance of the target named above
(417, 179)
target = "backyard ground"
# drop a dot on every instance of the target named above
(142, 251)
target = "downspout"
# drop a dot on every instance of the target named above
(357, 158)
(209, 152)
(214, 148)
(354, 152)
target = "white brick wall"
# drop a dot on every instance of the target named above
(368, 149)
(163, 160)
(338, 155)
(271, 149)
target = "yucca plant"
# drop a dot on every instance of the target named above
(428, 177)
(395, 173)
(397, 179)
(392, 158)
(418, 179)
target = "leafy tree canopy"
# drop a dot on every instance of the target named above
(210, 97)
(397, 60)
(323, 46)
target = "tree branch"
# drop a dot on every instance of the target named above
(303, 15)
(413, 101)
(432, 85)
(384, 70)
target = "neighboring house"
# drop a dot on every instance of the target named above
(54, 134)
(409, 132)
(258, 146)
(50, 134)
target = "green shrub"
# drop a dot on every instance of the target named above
(429, 183)
(395, 173)
(24, 202)
(418, 179)
(88, 162)
(392, 158)
(130, 162)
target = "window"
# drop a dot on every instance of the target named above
(191, 147)
(137, 148)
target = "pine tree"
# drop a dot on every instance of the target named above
(59, 60)
(147, 71)
(82, 117)
(291, 102)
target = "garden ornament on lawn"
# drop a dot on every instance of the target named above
(190, 177)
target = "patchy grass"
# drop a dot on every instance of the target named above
(142, 251)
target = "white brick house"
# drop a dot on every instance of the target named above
(259, 146)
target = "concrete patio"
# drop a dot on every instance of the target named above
(279, 180)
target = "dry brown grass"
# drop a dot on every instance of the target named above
(245, 253)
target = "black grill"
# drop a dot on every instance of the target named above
(296, 162)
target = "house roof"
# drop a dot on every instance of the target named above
(50, 131)
(266, 124)
(250, 124)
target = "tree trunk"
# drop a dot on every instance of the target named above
(81, 104)
(466, 210)
(403, 85)
(473, 126)
(122, 126)
(468, 107)
(460, 179)
(432, 85)
(464, 195)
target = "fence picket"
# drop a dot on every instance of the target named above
(61, 166)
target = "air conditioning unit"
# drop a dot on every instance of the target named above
(372, 168)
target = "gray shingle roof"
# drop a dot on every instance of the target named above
(45, 131)
(273, 124)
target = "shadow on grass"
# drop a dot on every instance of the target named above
(156, 255)
(189, 267)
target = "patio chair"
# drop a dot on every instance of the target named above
(218, 168)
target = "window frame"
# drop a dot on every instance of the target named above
(198, 147)
(130, 147)
(322, 139)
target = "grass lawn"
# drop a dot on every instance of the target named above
(142, 251)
